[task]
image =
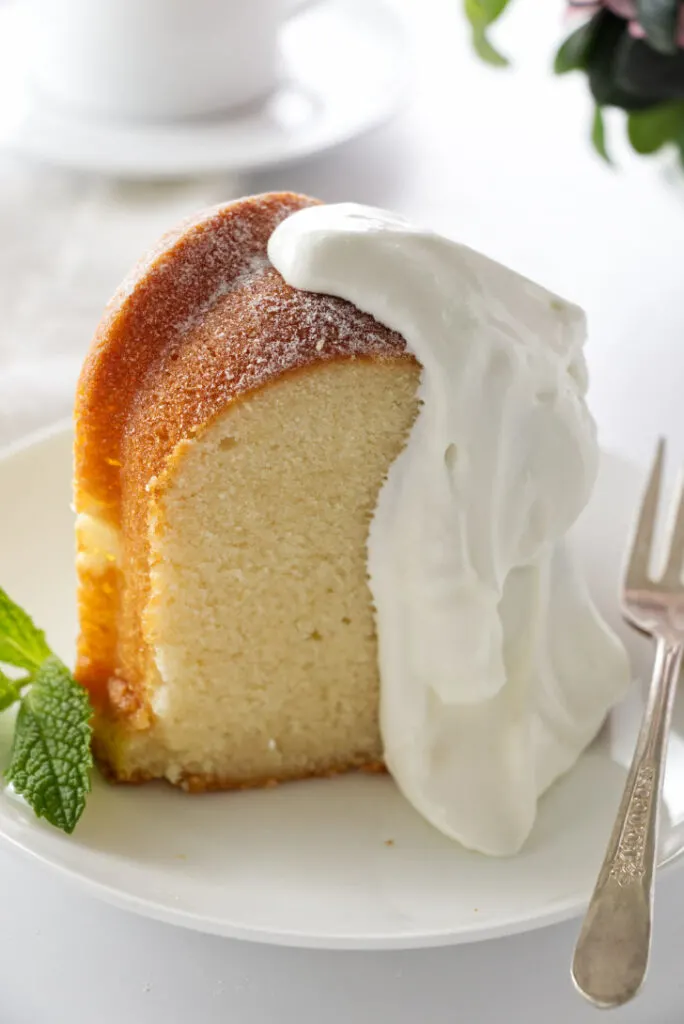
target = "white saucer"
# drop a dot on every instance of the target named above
(342, 863)
(344, 70)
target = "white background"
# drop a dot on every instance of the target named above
(498, 160)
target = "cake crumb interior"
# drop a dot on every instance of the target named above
(260, 618)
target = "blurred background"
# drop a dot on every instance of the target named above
(106, 140)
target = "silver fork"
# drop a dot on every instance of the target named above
(612, 952)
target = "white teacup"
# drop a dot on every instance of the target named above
(155, 59)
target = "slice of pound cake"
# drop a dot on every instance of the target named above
(232, 434)
(325, 465)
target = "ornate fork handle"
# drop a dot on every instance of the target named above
(612, 952)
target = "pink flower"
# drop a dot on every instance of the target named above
(624, 9)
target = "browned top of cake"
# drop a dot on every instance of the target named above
(203, 319)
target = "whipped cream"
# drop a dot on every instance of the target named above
(496, 671)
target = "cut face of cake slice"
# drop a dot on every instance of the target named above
(258, 591)
(325, 468)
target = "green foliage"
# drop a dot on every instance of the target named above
(482, 14)
(659, 19)
(598, 135)
(650, 130)
(574, 52)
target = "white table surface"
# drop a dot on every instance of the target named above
(498, 161)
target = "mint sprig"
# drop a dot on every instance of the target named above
(51, 759)
(22, 644)
(10, 690)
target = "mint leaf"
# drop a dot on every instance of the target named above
(10, 690)
(481, 14)
(21, 643)
(51, 759)
(598, 136)
(650, 130)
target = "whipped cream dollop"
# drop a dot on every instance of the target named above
(496, 671)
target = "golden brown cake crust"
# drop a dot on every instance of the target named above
(201, 322)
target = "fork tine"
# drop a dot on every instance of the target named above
(640, 555)
(672, 576)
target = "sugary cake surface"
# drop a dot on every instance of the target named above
(232, 435)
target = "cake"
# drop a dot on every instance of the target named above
(212, 391)
(310, 540)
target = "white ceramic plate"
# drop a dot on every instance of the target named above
(332, 863)
(344, 71)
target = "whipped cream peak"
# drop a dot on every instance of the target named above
(495, 669)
